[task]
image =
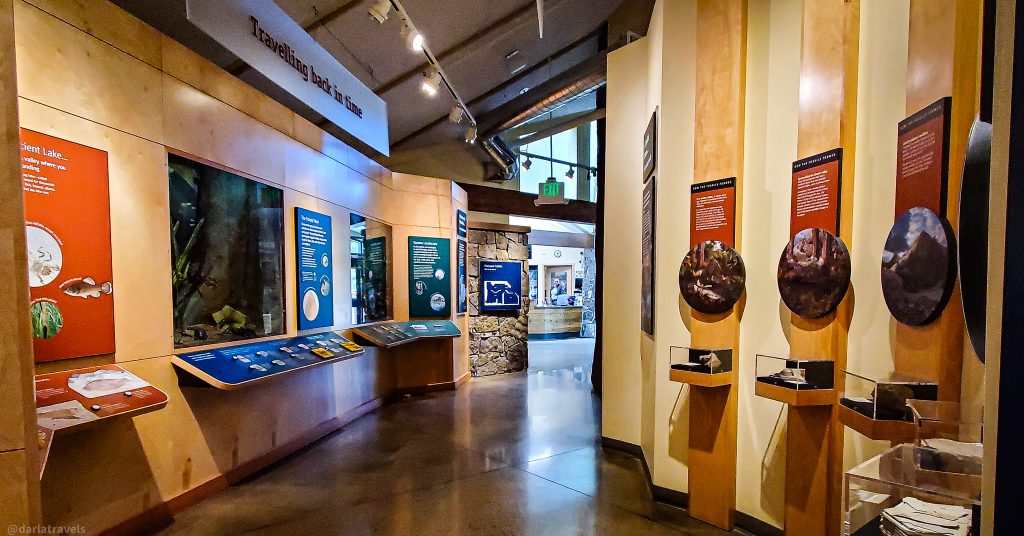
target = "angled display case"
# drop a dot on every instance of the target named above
(234, 367)
(390, 334)
(703, 367)
(796, 382)
(878, 408)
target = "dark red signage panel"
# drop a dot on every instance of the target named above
(713, 212)
(922, 164)
(816, 190)
(67, 226)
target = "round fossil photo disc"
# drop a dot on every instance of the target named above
(814, 273)
(711, 277)
(918, 267)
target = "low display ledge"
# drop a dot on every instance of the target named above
(75, 400)
(795, 397)
(701, 379)
(391, 334)
(233, 367)
(880, 430)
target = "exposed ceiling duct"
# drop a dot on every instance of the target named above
(504, 156)
(563, 96)
(574, 83)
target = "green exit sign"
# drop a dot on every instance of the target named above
(552, 192)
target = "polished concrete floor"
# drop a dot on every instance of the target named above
(515, 454)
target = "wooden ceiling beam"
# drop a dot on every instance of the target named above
(463, 45)
(515, 203)
(500, 87)
(332, 15)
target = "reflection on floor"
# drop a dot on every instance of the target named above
(510, 455)
(551, 357)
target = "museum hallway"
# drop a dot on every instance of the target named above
(512, 454)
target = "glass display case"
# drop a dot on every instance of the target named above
(884, 399)
(701, 360)
(915, 490)
(370, 251)
(937, 422)
(796, 374)
(701, 367)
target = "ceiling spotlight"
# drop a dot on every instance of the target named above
(527, 163)
(413, 39)
(455, 116)
(380, 9)
(471, 134)
(431, 81)
(570, 174)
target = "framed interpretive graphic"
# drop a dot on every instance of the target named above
(651, 146)
(647, 258)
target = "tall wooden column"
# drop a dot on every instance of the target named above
(943, 60)
(827, 120)
(718, 154)
(19, 471)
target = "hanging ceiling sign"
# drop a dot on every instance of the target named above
(262, 35)
(551, 192)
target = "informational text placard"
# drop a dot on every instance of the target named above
(816, 192)
(922, 163)
(315, 272)
(430, 293)
(713, 212)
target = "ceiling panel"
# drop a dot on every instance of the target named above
(472, 37)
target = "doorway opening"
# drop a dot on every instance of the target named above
(562, 315)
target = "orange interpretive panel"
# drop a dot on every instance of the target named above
(67, 227)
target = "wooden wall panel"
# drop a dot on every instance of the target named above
(137, 171)
(201, 125)
(88, 77)
(17, 503)
(944, 39)
(19, 489)
(108, 23)
(808, 466)
(126, 106)
(363, 196)
(930, 52)
(721, 66)
(718, 153)
(827, 119)
(821, 77)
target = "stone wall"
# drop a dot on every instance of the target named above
(497, 341)
(589, 328)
